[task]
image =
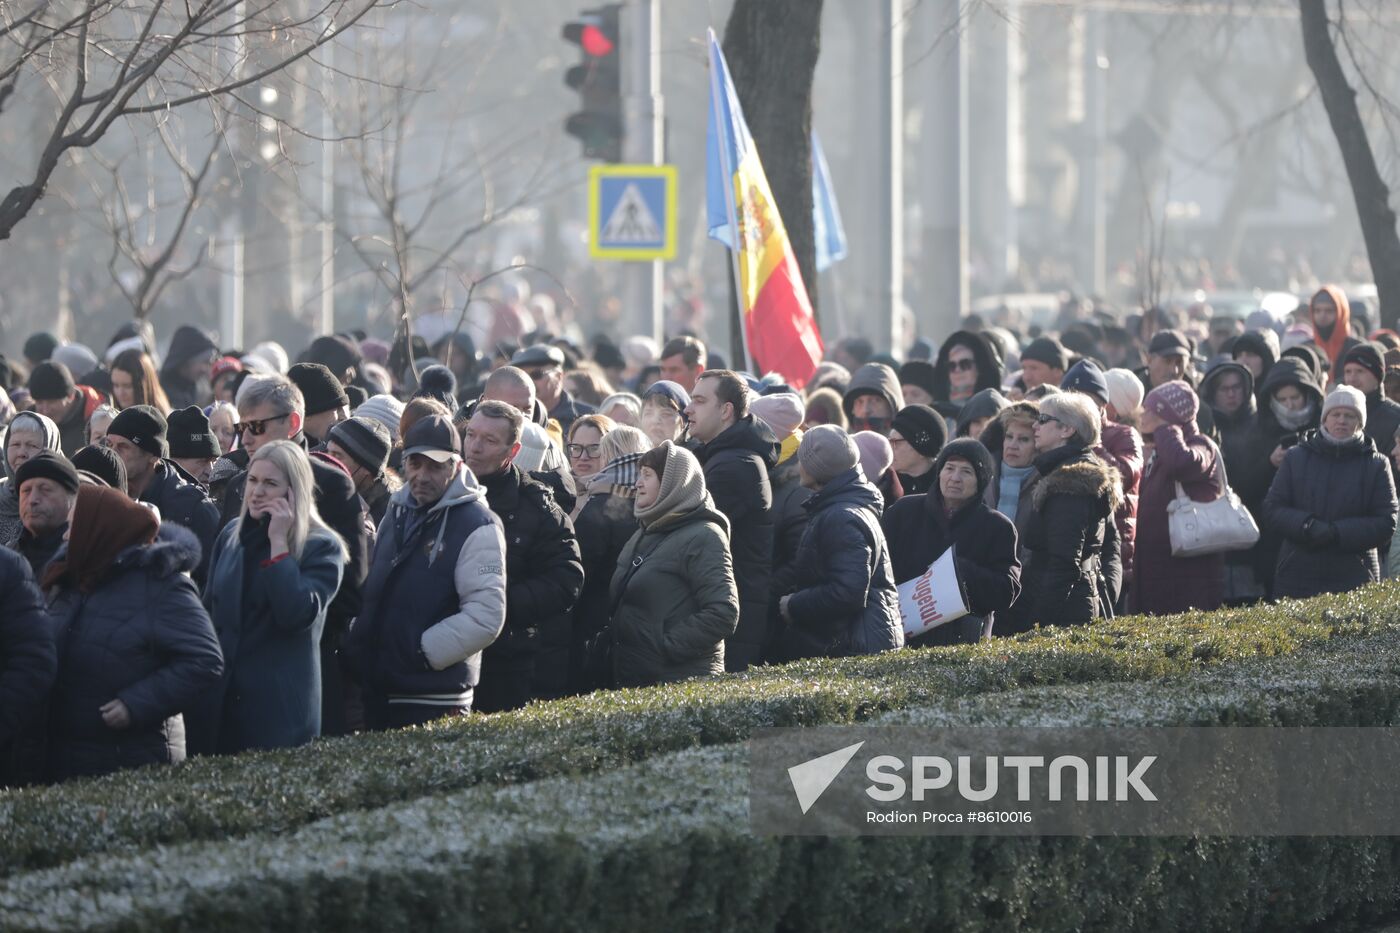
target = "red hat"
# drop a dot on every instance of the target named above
(225, 364)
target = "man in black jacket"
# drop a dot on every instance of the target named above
(138, 436)
(1364, 370)
(544, 571)
(737, 451)
(273, 409)
(28, 662)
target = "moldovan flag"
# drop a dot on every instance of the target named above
(777, 314)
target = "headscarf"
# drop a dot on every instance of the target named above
(105, 523)
(682, 488)
(1341, 331)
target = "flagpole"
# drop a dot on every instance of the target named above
(715, 89)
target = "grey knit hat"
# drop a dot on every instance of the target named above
(365, 440)
(826, 452)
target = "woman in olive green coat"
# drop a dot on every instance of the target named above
(673, 593)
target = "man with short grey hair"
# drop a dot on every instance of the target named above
(544, 570)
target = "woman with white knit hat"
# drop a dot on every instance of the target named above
(1333, 503)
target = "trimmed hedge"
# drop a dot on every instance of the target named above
(273, 792)
(666, 842)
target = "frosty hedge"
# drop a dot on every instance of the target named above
(437, 828)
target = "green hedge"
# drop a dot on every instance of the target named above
(279, 791)
(665, 844)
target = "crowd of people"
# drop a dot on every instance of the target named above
(209, 550)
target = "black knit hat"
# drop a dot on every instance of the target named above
(48, 465)
(189, 435)
(356, 395)
(971, 452)
(923, 428)
(50, 381)
(40, 346)
(1047, 350)
(336, 352)
(319, 387)
(103, 463)
(1369, 355)
(919, 373)
(365, 440)
(143, 426)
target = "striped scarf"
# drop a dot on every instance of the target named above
(618, 478)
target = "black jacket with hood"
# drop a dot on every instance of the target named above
(1246, 446)
(736, 464)
(873, 379)
(987, 403)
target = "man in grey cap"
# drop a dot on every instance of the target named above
(843, 599)
(436, 592)
(545, 365)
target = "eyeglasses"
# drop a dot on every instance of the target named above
(579, 450)
(1046, 419)
(962, 365)
(258, 428)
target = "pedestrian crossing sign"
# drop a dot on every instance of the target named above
(632, 212)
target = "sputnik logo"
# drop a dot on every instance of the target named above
(811, 778)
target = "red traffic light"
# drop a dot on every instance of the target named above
(596, 42)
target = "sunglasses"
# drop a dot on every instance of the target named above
(579, 450)
(257, 428)
(1046, 419)
(959, 366)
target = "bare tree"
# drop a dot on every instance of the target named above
(431, 179)
(147, 227)
(1368, 188)
(100, 61)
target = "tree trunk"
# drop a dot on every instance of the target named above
(771, 47)
(1370, 191)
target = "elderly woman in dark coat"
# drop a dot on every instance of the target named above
(954, 513)
(1333, 502)
(1073, 571)
(135, 647)
(1179, 455)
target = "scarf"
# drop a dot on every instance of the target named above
(682, 489)
(789, 446)
(1293, 420)
(618, 478)
(1009, 490)
(105, 523)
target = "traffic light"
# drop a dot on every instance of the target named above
(598, 80)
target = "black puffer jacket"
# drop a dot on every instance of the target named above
(844, 582)
(1382, 421)
(1073, 572)
(1334, 506)
(143, 637)
(604, 527)
(182, 500)
(789, 524)
(544, 575)
(736, 465)
(919, 530)
(27, 665)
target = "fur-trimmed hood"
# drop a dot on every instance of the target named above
(1082, 475)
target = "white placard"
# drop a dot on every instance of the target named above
(933, 597)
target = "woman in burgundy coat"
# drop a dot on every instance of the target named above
(1178, 453)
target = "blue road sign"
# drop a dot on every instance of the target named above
(632, 211)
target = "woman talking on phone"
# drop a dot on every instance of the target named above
(274, 571)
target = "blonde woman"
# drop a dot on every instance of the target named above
(274, 571)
